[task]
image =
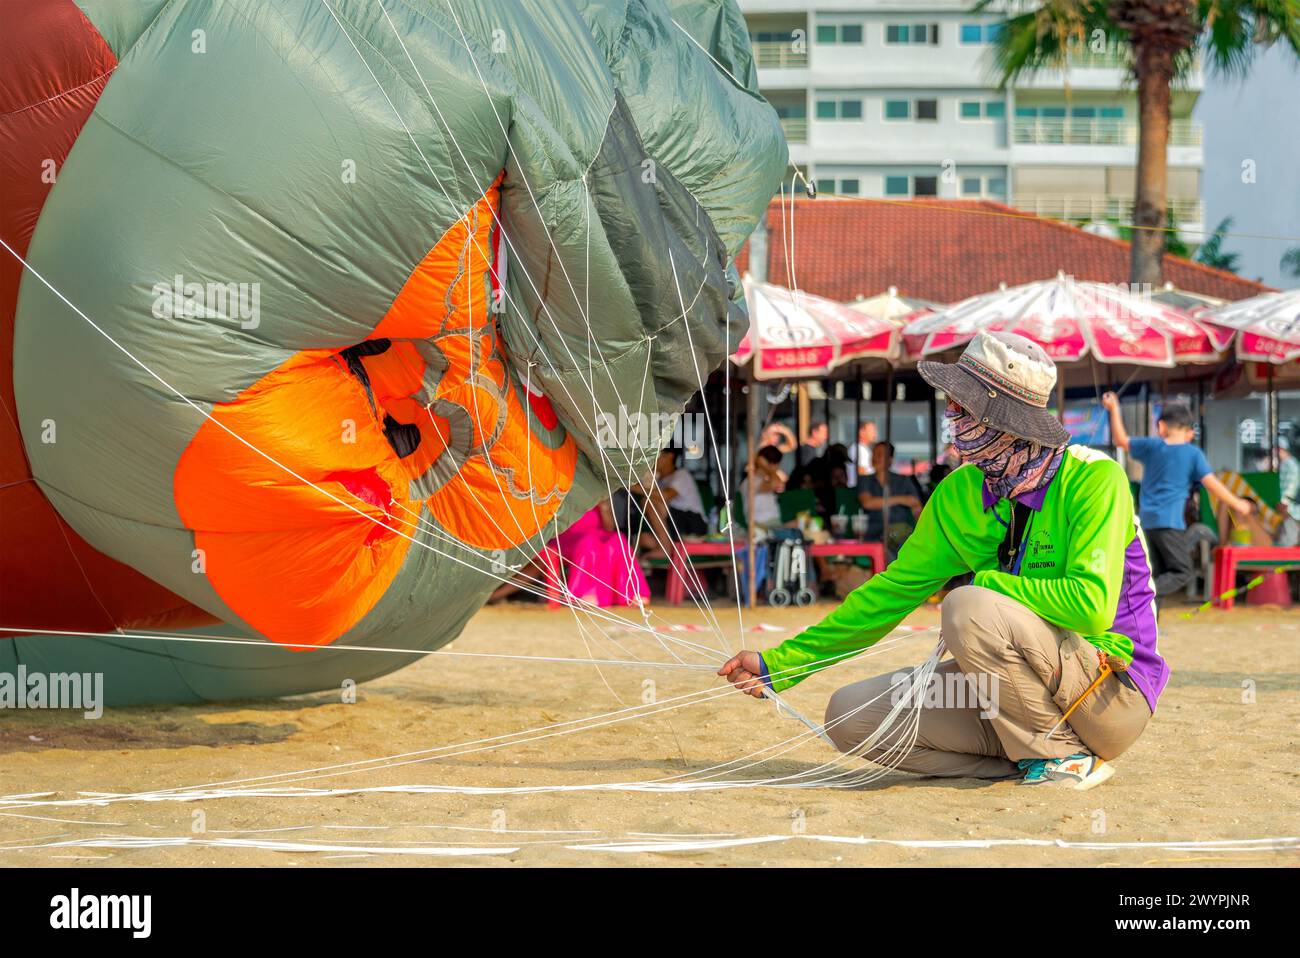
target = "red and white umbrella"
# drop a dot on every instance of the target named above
(801, 336)
(889, 305)
(1267, 326)
(1072, 320)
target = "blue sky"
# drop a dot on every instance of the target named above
(1257, 119)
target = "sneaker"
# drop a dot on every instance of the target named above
(1080, 771)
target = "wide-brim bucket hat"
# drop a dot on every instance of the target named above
(1005, 381)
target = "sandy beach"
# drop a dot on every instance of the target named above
(1217, 764)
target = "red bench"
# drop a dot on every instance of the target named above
(1226, 559)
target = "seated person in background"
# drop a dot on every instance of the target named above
(1266, 526)
(671, 506)
(1288, 478)
(949, 461)
(860, 455)
(819, 480)
(816, 437)
(778, 435)
(1170, 466)
(810, 451)
(837, 454)
(904, 499)
(762, 509)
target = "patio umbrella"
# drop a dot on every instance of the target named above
(1268, 331)
(802, 336)
(1185, 299)
(1267, 326)
(890, 306)
(1073, 320)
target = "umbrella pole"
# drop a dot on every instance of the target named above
(858, 464)
(751, 455)
(1200, 408)
(934, 429)
(826, 410)
(1060, 398)
(889, 404)
(801, 417)
(1273, 437)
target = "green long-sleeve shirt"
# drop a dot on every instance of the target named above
(1080, 556)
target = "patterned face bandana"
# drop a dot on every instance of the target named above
(1012, 466)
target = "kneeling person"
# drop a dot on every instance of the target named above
(1062, 594)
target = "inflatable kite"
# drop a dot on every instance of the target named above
(322, 303)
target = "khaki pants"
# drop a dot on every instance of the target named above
(1011, 678)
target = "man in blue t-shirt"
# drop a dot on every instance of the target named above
(1171, 466)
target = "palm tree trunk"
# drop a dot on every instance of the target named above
(1155, 70)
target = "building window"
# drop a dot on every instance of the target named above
(839, 33)
(987, 109)
(927, 109)
(898, 109)
(850, 187)
(926, 186)
(972, 33)
(847, 109)
(998, 187)
(896, 186)
(972, 186)
(1112, 113)
(926, 33)
(772, 36)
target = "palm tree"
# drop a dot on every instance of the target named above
(1162, 37)
(1212, 252)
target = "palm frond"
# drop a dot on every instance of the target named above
(1043, 38)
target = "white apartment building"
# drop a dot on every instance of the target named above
(899, 98)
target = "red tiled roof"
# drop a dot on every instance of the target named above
(946, 250)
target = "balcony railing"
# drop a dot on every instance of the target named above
(1082, 55)
(770, 54)
(1094, 131)
(795, 128)
(1114, 56)
(1085, 206)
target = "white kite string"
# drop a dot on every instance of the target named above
(241, 787)
(712, 436)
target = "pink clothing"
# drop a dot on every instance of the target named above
(599, 563)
